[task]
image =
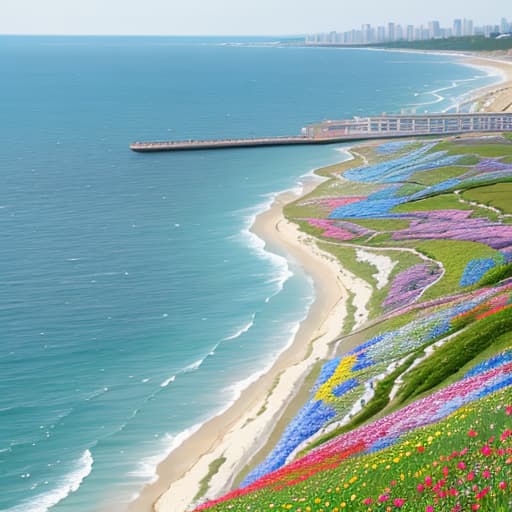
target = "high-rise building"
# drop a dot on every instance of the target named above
(381, 34)
(410, 33)
(367, 33)
(457, 28)
(399, 33)
(434, 29)
(504, 26)
(467, 27)
(391, 31)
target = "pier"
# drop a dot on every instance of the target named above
(357, 129)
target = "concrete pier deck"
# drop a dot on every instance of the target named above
(333, 132)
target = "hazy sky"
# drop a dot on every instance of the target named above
(232, 16)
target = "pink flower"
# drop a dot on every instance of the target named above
(383, 498)
(399, 502)
(508, 410)
(502, 485)
(420, 487)
(472, 433)
(367, 501)
(461, 465)
(429, 508)
(486, 450)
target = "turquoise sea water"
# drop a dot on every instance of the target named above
(134, 302)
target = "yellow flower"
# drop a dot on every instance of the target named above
(341, 374)
(353, 497)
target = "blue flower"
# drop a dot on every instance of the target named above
(345, 387)
(475, 270)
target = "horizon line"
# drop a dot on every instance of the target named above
(147, 35)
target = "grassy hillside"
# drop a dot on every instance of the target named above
(418, 416)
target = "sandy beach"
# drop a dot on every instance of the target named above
(237, 435)
(243, 429)
(497, 97)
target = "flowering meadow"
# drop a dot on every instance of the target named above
(451, 451)
(417, 415)
(346, 380)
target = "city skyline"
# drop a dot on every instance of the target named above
(392, 32)
(225, 17)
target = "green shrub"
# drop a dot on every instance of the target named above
(496, 274)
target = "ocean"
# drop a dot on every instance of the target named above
(134, 301)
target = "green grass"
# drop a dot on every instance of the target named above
(381, 224)
(439, 202)
(447, 360)
(507, 159)
(496, 274)
(438, 175)
(409, 189)
(454, 255)
(213, 468)
(347, 256)
(498, 195)
(467, 43)
(499, 344)
(477, 148)
(468, 160)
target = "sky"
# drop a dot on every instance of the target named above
(232, 17)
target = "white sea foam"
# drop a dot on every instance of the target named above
(242, 330)
(190, 368)
(146, 468)
(69, 484)
(168, 381)
(282, 270)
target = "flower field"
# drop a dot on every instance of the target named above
(450, 451)
(413, 412)
(345, 380)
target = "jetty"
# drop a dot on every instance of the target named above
(356, 129)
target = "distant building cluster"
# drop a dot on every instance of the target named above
(393, 32)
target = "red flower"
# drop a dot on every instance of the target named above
(472, 433)
(508, 410)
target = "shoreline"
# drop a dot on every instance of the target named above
(240, 431)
